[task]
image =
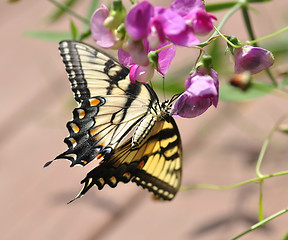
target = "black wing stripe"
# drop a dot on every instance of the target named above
(73, 65)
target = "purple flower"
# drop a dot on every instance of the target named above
(137, 20)
(102, 36)
(176, 29)
(200, 21)
(136, 51)
(202, 90)
(144, 72)
(141, 73)
(252, 59)
(184, 7)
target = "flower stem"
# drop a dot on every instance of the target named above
(234, 9)
(261, 223)
(268, 36)
(260, 207)
(248, 23)
(265, 144)
(221, 24)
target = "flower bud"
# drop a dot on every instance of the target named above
(116, 17)
(252, 59)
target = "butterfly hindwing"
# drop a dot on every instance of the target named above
(155, 164)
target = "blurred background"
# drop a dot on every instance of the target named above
(220, 147)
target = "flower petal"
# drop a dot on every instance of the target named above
(186, 38)
(102, 36)
(137, 20)
(141, 73)
(201, 21)
(183, 7)
(189, 106)
(165, 57)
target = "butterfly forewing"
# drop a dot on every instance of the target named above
(105, 93)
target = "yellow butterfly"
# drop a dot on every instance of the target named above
(109, 108)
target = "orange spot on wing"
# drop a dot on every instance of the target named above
(99, 156)
(94, 102)
(141, 164)
(113, 180)
(101, 181)
(75, 128)
(127, 175)
(93, 131)
(83, 161)
(81, 113)
(73, 141)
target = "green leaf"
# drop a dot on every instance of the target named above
(256, 1)
(212, 7)
(233, 94)
(49, 36)
(60, 11)
(85, 35)
(74, 30)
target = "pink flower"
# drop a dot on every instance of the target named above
(102, 36)
(141, 73)
(165, 57)
(252, 59)
(202, 90)
(184, 7)
(200, 21)
(137, 20)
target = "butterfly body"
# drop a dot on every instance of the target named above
(109, 108)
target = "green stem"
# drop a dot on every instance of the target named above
(234, 9)
(267, 36)
(248, 24)
(260, 208)
(265, 144)
(216, 187)
(70, 11)
(261, 223)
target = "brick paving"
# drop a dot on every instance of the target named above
(220, 147)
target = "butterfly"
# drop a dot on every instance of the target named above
(110, 107)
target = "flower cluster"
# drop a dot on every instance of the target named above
(146, 38)
(146, 29)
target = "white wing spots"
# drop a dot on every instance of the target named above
(67, 57)
(155, 188)
(69, 65)
(64, 44)
(72, 74)
(71, 155)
